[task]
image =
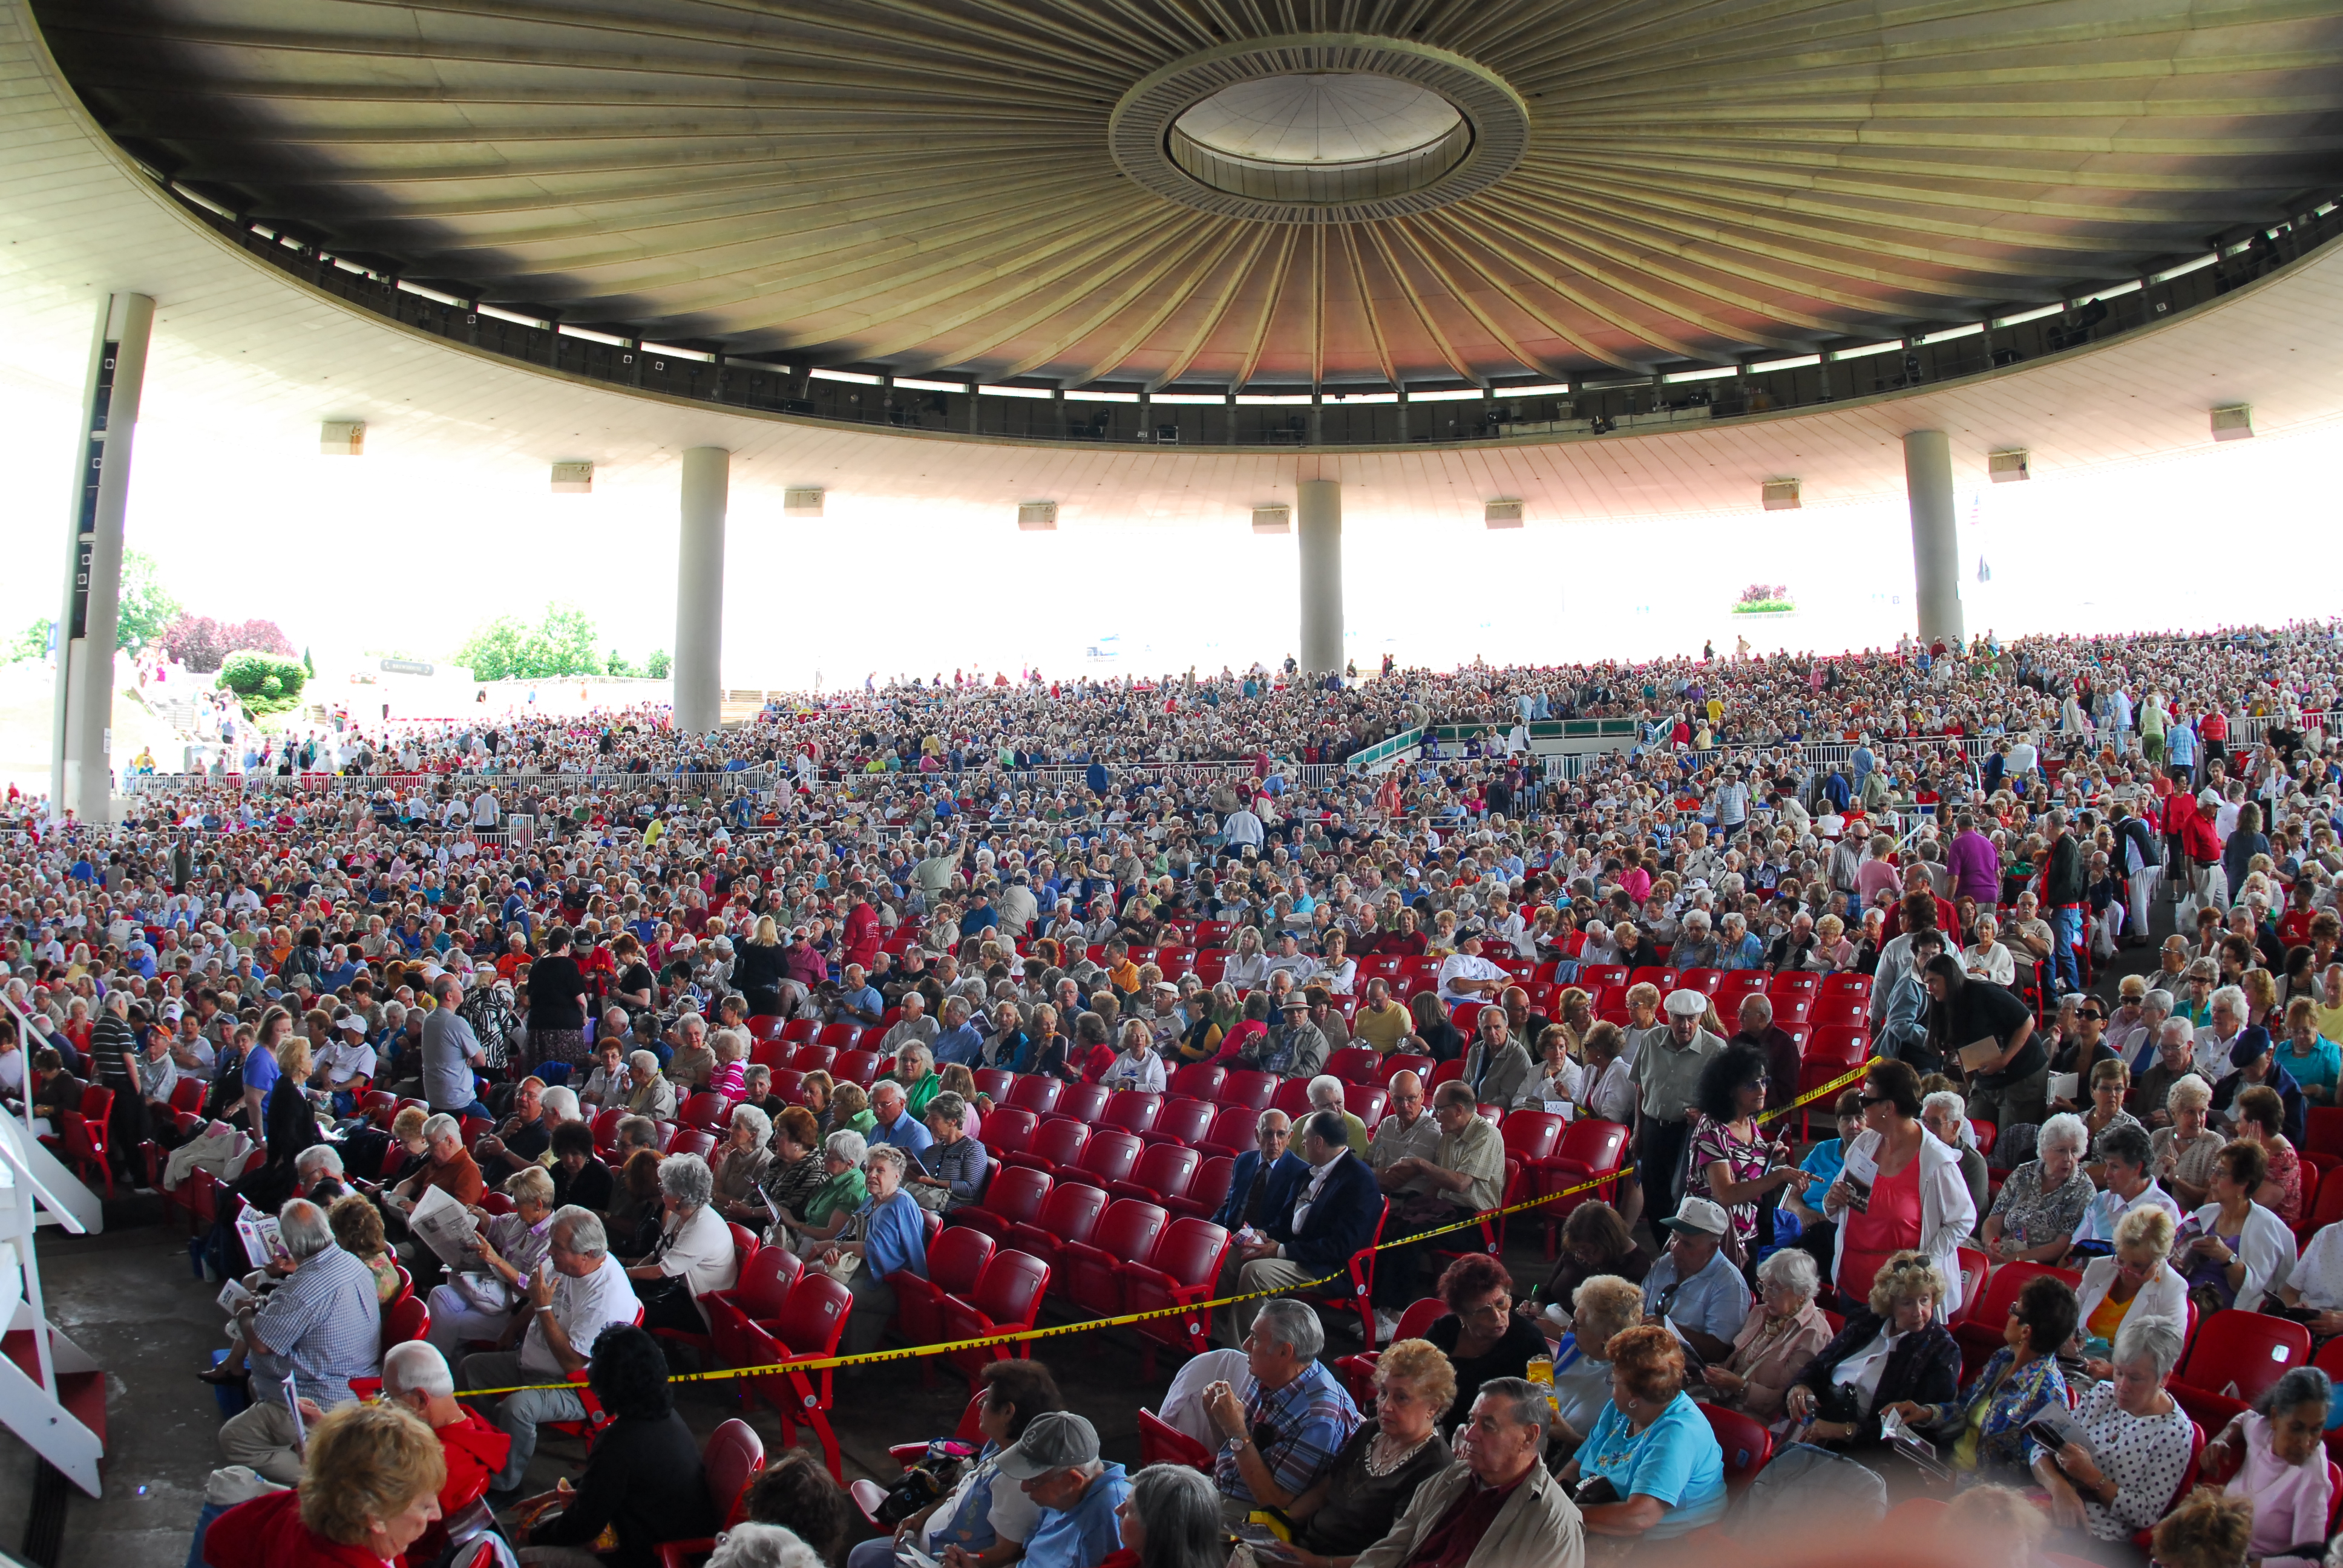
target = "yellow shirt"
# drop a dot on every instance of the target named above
(1381, 1030)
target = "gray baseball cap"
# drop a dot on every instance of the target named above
(1053, 1440)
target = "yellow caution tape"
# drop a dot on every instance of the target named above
(1123, 1319)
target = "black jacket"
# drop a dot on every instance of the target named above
(645, 1479)
(1924, 1369)
(1340, 1224)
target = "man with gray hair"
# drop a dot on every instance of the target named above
(579, 1291)
(452, 1054)
(2220, 1045)
(1278, 1440)
(1496, 1503)
(314, 1332)
(1326, 1094)
(416, 1375)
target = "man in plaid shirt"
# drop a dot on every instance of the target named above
(1281, 1438)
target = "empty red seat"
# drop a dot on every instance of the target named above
(1054, 1143)
(1007, 1298)
(1197, 1080)
(1013, 1196)
(1070, 1213)
(1185, 1269)
(856, 1067)
(1083, 1103)
(1090, 1273)
(2235, 1356)
(1133, 1111)
(1233, 1131)
(1035, 1093)
(1008, 1129)
(1186, 1122)
(955, 1262)
(1109, 1157)
(1165, 1171)
(813, 1058)
(1356, 1064)
(1208, 1191)
(1250, 1090)
(994, 1084)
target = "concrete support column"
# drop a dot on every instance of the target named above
(81, 772)
(1935, 553)
(1318, 518)
(699, 590)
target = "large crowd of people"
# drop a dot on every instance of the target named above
(644, 1008)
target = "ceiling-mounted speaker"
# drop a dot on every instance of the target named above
(1502, 514)
(801, 503)
(1781, 494)
(573, 479)
(1038, 516)
(2234, 423)
(1272, 519)
(342, 438)
(2008, 468)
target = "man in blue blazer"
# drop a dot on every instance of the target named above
(1331, 1217)
(1261, 1186)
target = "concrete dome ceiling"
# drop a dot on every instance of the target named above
(932, 186)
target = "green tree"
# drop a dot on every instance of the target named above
(268, 682)
(146, 608)
(659, 666)
(617, 664)
(308, 664)
(563, 643)
(493, 651)
(31, 643)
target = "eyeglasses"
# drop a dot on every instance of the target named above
(1876, 1099)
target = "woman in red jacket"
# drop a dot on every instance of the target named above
(369, 1486)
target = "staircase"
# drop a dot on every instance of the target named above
(52, 1395)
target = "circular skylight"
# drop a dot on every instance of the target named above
(1319, 119)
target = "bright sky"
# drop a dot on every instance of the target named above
(401, 553)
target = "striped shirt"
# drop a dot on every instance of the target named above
(1305, 1424)
(322, 1326)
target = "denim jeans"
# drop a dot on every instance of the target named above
(2068, 926)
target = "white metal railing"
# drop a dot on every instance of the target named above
(32, 1406)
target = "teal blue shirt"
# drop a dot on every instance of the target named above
(1676, 1460)
(2322, 1067)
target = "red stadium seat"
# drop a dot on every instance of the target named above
(1356, 1064)
(1208, 1191)
(1197, 1080)
(1008, 1299)
(1082, 1103)
(994, 1084)
(1399, 1063)
(1794, 982)
(1839, 1043)
(1090, 1273)
(1162, 1443)
(811, 1323)
(1358, 1371)
(1071, 1214)
(2235, 1356)
(1234, 1130)
(1165, 1172)
(856, 1067)
(1746, 1444)
(955, 1264)
(813, 1058)
(1706, 982)
(1185, 1269)
(1980, 1334)
(1293, 1097)
(1014, 1196)
(1133, 1111)
(705, 1110)
(1109, 1157)
(1035, 1093)
(1055, 1143)
(1253, 1090)
(1187, 1121)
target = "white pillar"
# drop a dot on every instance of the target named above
(1936, 552)
(81, 771)
(699, 590)
(1319, 525)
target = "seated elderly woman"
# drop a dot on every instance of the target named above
(2237, 1252)
(1775, 1344)
(741, 1160)
(1354, 1504)
(369, 1488)
(2182, 1153)
(1607, 1306)
(894, 1240)
(694, 1254)
(481, 1300)
(1662, 1471)
(987, 1514)
(1895, 1349)
(1594, 1241)
(952, 1170)
(2135, 1442)
(1981, 1434)
(2272, 1457)
(915, 1073)
(652, 1095)
(2034, 1218)
(2136, 1283)
(1479, 1333)
(834, 1202)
